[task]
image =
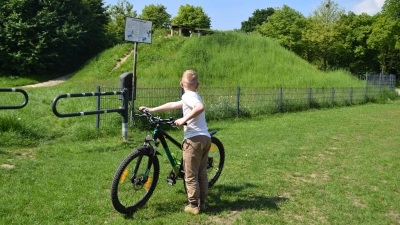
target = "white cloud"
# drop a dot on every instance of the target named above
(370, 7)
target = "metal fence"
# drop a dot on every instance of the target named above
(381, 81)
(225, 102)
(8, 100)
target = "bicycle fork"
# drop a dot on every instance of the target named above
(139, 180)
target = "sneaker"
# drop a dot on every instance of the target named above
(202, 207)
(192, 209)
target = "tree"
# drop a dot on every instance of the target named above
(192, 16)
(158, 14)
(259, 17)
(323, 34)
(49, 36)
(285, 26)
(117, 15)
(355, 56)
(391, 9)
(384, 38)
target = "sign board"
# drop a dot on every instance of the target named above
(137, 30)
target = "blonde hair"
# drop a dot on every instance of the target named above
(190, 78)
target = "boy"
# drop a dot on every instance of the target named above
(197, 141)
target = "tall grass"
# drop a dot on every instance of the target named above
(230, 59)
(225, 59)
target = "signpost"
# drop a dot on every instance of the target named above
(137, 30)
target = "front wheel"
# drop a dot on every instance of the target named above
(216, 159)
(134, 181)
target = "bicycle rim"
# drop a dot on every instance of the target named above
(133, 183)
(216, 159)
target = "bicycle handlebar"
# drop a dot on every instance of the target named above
(156, 119)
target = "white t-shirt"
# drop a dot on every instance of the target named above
(196, 126)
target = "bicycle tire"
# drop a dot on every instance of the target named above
(216, 156)
(129, 191)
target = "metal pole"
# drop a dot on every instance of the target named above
(98, 108)
(180, 98)
(351, 95)
(134, 79)
(280, 100)
(237, 101)
(366, 87)
(125, 97)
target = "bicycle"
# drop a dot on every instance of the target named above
(136, 177)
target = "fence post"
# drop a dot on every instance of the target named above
(333, 96)
(366, 87)
(351, 95)
(125, 113)
(180, 97)
(280, 100)
(309, 97)
(237, 100)
(98, 108)
(392, 82)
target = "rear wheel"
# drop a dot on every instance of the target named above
(216, 159)
(134, 181)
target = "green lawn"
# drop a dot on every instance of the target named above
(335, 166)
(330, 166)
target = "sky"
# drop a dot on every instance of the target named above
(229, 14)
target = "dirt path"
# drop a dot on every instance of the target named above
(66, 77)
(50, 82)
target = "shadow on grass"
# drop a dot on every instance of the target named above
(242, 200)
(220, 200)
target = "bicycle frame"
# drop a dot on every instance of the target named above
(162, 136)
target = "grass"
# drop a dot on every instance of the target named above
(261, 62)
(225, 59)
(336, 166)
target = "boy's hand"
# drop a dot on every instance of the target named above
(143, 107)
(180, 122)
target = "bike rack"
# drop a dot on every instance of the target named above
(123, 110)
(15, 90)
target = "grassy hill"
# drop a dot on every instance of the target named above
(223, 59)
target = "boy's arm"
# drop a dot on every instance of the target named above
(166, 107)
(197, 110)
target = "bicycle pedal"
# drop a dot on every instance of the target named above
(171, 181)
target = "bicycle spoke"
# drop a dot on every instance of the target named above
(215, 163)
(134, 182)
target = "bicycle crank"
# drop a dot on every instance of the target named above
(171, 179)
